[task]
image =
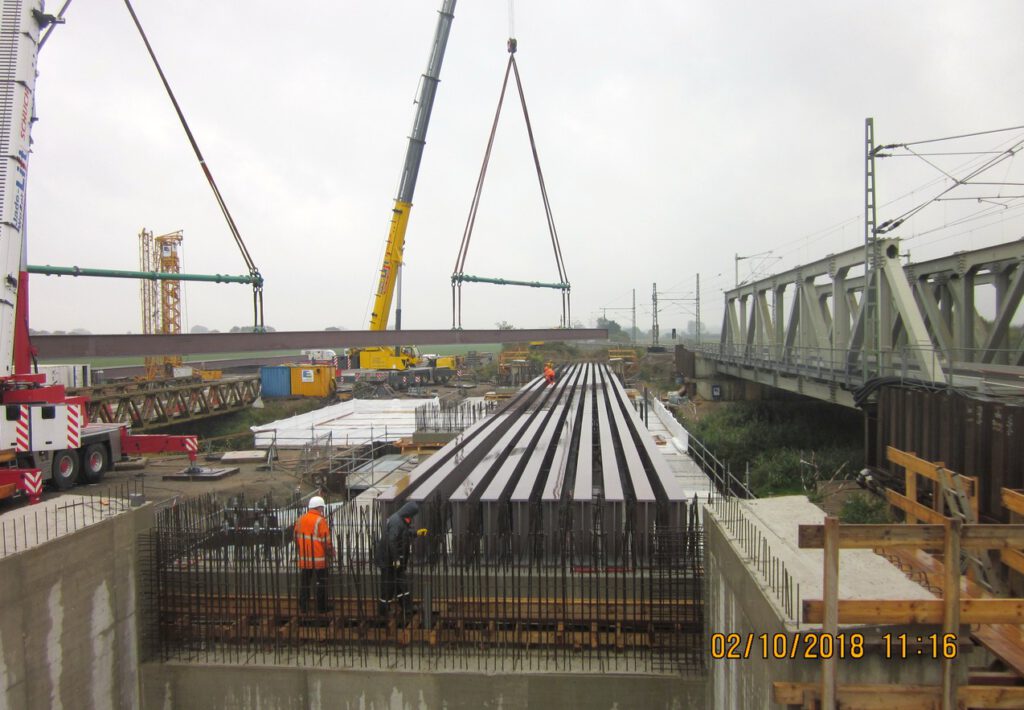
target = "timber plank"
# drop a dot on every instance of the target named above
(917, 611)
(906, 697)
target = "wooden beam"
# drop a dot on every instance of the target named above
(911, 461)
(951, 608)
(912, 508)
(910, 490)
(1013, 501)
(926, 537)
(1014, 559)
(933, 470)
(830, 624)
(905, 697)
(872, 536)
(916, 611)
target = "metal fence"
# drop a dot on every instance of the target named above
(27, 526)
(228, 593)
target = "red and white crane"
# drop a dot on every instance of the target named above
(45, 434)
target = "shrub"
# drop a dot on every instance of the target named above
(865, 509)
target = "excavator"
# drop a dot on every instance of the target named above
(406, 359)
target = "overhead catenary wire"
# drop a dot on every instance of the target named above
(951, 138)
(233, 228)
(984, 166)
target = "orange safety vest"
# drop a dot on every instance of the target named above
(313, 538)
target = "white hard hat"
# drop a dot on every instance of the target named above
(316, 502)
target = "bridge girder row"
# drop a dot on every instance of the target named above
(573, 456)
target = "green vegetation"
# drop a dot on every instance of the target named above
(866, 509)
(789, 444)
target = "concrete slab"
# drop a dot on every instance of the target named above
(672, 441)
(862, 573)
(204, 474)
(253, 456)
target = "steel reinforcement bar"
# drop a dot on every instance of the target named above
(230, 595)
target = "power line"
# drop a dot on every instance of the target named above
(950, 138)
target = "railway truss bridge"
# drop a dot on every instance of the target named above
(929, 351)
(826, 331)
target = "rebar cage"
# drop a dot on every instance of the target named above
(221, 585)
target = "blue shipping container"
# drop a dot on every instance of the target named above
(276, 381)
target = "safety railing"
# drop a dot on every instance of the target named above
(986, 370)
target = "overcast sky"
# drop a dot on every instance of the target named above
(673, 135)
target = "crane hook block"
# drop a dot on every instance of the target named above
(512, 45)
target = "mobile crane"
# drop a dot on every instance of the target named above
(45, 434)
(399, 358)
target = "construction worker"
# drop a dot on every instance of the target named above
(392, 558)
(315, 552)
(549, 373)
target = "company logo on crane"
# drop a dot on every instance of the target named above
(21, 160)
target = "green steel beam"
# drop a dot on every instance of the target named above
(148, 275)
(507, 282)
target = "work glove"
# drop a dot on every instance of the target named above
(422, 532)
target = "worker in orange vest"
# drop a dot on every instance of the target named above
(315, 551)
(549, 374)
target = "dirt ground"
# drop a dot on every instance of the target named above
(253, 480)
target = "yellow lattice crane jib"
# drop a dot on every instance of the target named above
(161, 301)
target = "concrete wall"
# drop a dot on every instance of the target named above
(170, 685)
(732, 389)
(738, 601)
(68, 628)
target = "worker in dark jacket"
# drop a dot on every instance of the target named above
(392, 557)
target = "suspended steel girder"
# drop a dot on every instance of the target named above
(66, 346)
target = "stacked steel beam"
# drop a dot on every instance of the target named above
(573, 456)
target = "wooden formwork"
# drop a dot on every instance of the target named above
(995, 620)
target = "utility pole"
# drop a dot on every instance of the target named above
(698, 309)
(654, 308)
(634, 316)
(872, 335)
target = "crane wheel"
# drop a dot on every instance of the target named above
(95, 462)
(65, 469)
